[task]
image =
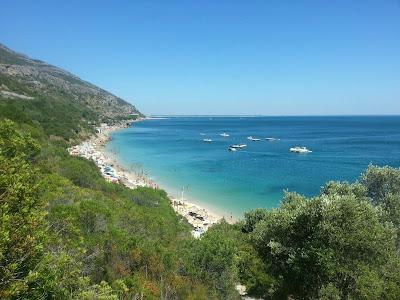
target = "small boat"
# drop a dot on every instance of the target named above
(202, 133)
(207, 140)
(271, 139)
(238, 146)
(232, 149)
(298, 149)
(253, 139)
(224, 134)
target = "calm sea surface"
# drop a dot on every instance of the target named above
(172, 152)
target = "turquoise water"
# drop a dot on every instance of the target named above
(171, 151)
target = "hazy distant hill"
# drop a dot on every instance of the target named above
(24, 78)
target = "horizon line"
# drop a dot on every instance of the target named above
(262, 115)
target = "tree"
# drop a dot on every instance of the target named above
(332, 243)
(212, 260)
(21, 210)
(382, 185)
(381, 182)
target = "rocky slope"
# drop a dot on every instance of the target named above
(40, 78)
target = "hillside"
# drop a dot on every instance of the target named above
(30, 80)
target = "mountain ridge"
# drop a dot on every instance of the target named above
(40, 77)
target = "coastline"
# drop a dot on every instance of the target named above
(112, 170)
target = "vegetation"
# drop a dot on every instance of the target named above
(21, 210)
(66, 233)
(334, 246)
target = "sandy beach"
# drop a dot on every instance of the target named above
(94, 149)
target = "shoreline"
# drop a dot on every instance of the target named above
(112, 170)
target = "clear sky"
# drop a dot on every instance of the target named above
(221, 57)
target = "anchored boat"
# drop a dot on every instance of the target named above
(238, 146)
(299, 149)
(251, 138)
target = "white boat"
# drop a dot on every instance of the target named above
(298, 149)
(232, 149)
(253, 139)
(238, 146)
(207, 140)
(271, 139)
(224, 134)
(202, 133)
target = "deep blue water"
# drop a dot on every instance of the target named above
(171, 151)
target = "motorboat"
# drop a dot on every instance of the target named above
(238, 146)
(251, 138)
(207, 140)
(299, 149)
(224, 134)
(271, 139)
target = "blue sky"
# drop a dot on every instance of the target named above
(221, 57)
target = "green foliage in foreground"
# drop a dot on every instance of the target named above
(21, 210)
(65, 233)
(339, 245)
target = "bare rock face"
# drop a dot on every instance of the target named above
(41, 78)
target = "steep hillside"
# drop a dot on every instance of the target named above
(24, 78)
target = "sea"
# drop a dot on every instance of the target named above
(171, 151)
